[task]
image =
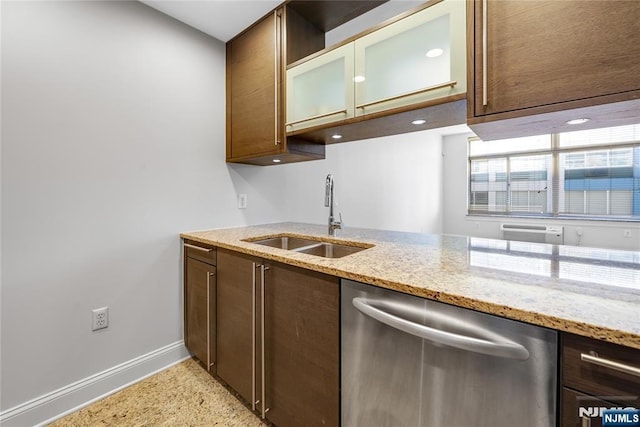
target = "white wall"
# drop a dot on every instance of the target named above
(112, 144)
(391, 183)
(594, 233)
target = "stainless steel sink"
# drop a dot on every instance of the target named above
(309, 246)
(331, 250)
(284, 242)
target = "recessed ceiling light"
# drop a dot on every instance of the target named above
(358, 79)
(419, 122)
(276, 160)
(434, 53)
(578, 121)
(336, 136)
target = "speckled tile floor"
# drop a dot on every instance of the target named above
(183, 395)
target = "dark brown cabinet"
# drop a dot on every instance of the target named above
(255, 97)
(200, 302)
(596, 375)
(278, 339)
(257, 60)
(532, 58)
(236, 334)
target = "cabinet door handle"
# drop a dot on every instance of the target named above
(276, 70)
(209, 274)
(319, 116)
(593, 357)
(415, 92)
(485, 95)
(263, 268)
(253, 337)
(199, 248)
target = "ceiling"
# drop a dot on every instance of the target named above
(221, 19)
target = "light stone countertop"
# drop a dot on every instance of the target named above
(586, 291)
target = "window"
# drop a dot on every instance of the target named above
(586, 174)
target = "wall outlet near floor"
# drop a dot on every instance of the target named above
(242, 201)
(100, 318)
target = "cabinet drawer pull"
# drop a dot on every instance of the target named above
(319, 116)
(187, 245)
(415, 92)
(593, 357)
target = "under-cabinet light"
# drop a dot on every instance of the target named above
(434, 53)
(276, 160)
(578, 121)
(359, 79)
(419, 122)
(336, 136)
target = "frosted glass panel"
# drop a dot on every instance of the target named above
(318, 91)
(400, 64)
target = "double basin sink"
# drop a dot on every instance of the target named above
(310, 246)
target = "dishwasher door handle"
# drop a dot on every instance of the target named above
(491, 343)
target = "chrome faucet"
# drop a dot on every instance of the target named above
(328, 202)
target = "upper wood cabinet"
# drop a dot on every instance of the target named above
(418, 58)
(411, 67)
(255, 77)
(321, 91)
(537, 64)
(255, 94)
(254, 91)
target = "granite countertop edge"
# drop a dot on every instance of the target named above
(354, 267)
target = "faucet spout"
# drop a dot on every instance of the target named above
(329, 202)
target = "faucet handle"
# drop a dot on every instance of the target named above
(340, 222)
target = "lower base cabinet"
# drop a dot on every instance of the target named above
(278, 339)
(200, 303)
(597, 375)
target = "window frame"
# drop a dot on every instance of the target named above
(555, 151)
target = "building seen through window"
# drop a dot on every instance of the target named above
(592, 173)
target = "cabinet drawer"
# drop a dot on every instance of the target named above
(600, 381)
(579, 409)
(200, 251)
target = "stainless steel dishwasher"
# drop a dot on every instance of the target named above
(408, 361)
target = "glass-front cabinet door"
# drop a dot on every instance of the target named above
(320, 90)
(419, 58)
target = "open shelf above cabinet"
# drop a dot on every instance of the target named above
(328, 15)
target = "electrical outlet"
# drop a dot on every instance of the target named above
(100, 318)
(242, 201)
(627, 234)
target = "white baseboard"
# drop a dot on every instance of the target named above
(51, 406)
